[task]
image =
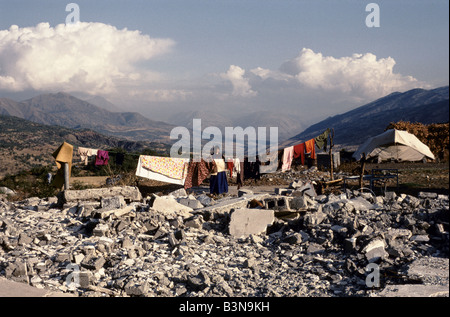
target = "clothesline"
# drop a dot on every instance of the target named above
(289, 153)
(320, 141)
(186, 172)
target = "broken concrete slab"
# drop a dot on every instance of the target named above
(245, 222)
(224, 205)
(414, 290)
(102, 214)
(127, 192)
(430, 270)
(169, 206)
(190, 201)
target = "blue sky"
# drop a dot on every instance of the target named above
(306, 58)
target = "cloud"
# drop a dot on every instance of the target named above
(359, 75)
(91, 57)
(314, 86)
(241, 86)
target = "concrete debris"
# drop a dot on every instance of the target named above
(168, 205)
(127, 192)
(245, 222)
(7, 191)
(292, 243)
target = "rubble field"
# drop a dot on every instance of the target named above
(286, 240)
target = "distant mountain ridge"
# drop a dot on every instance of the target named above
(67, 111)
(353, 127)
(287, 124)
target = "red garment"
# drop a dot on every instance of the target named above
(230, 166)
(299, 151)
(310, 148)
(198, 172)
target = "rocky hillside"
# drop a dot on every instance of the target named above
(354, 127)
(25, 144)
(67, 111)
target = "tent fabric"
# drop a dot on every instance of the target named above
(394, 145)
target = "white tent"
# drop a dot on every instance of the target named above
(394, 145)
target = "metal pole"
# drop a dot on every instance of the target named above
(66, 176)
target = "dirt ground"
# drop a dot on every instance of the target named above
(412, 179)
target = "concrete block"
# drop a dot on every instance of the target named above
(299, 202)
(278, 203)
(93, 262)
(115, 202)
(127, 192)
(245, 222)
(283, 191)
(375, 250)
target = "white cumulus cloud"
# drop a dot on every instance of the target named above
(359, 75)
(241, 86)
(91, 57)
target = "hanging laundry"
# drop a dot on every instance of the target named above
(240, 173)
(236, 166)
(218, 183)
(146, 173)
(197, 172)
(299, 151)
(321, 140)
(230, 167)
(102, 157)
(85, 153)
(62, 155)
(167, 166)
(310, 148)
(288, 155)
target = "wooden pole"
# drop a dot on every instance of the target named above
(363, 166)
(331, 154)
(66, 176)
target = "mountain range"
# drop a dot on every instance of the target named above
(64, 110)
(352, 128)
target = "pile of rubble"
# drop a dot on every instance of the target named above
(293, 242)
